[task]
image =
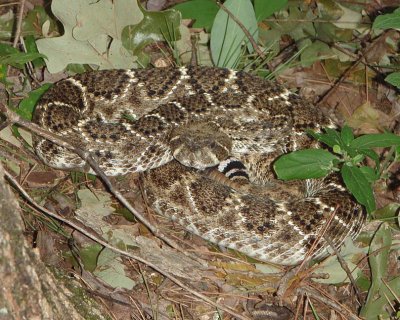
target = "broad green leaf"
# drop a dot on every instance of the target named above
(315, 52)
(18, 59)
(379, 140)
(226, 35)
(27, 105)
(89, 255)
(378, 261)
(347, 135)
(330, 138)
(6, 49)
(387, 21)
(389, 214)
(30, 44)
(370, 153)
(92, 34)
(264, 9)
(155, 26)
(3, 73)
(369, 173)
(202, 11)
(305, 164)
(394, 79)
(359, 186)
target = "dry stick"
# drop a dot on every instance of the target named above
(323, 297)
(321, 234)
(345, 267)
(360, 59)
(122, 252)
(286, 282)
(19, 27)
(15, 118)
(19, 23)
(245, 31)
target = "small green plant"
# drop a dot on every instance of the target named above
(385, 22)
(347, 157)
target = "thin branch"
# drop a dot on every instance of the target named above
(320, 236)
(105, 244)
(328, 300)
(245, 31)
(19, 23)
(345, 267)
(85, 155)
(15, 118)
(360, 59)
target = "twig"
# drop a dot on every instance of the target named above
(290, 276)
(321, 233)
(19, 23)
(323, 297)
(85, 155)
(315, 21)
(345, 267)
(18, 29)
(15, 118)
(385, 165)
(245, 31)
(360, 59)
(105, 244)
(8, 4)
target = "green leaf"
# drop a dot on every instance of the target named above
(369, 173)
(389, 214)
(226, 35)
(370, 153)
(394, 79)
(315, 52)
(202, 11)
(378, 260)
(330, 138)
(347, 135)
(264, 9)
(18, 59)
(379, 140)
(27, 105)
(6, 49)
(155, 26)
(89, 255)
(3, 73)
(30, 45)
(305, 164)
(359, 186)
(387, 21)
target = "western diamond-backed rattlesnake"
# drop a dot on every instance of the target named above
(181, 121)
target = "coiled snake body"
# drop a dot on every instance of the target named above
(206, 138)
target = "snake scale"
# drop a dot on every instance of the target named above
(205, 139)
